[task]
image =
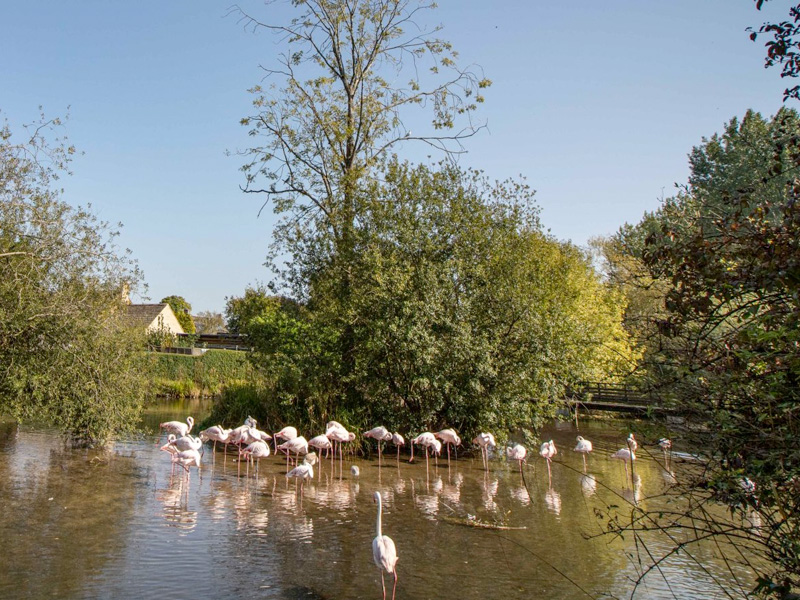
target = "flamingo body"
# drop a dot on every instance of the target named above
(384, 552)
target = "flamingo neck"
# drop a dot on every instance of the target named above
(380, 509)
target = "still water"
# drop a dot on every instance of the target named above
(121, 524)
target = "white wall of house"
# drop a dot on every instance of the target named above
(166, 321)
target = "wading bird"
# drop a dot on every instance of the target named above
(426, 439)
(584, 446)
(666, 446)
(518, 453)
(301, 472)
(287, 433)
(547, 452)
(216, 434)
(255, 451)
(381, 434)
(398, 441)
(384, 552)
(625, 455)
(298, 446)
(485, 440)
(178, 428)
(448, 437)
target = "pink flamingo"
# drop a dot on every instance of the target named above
(340, 435)
(301, 472)
(255, 451)
(178, 428)
(517, 452)
(625, 455)
(298, 445)
(584, 446)
(287, 433)
(216, 434)
(448, 437)
(547, 452)
(426, 439)
(398, 441)
(384, 552)
(484, 440)
(381, 434)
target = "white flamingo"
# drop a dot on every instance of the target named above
(398, 441)
(448, 437)
(301, 473)
(177, 427)
(287, 433)
(297, 445)
(426, 439)
(625, 455)
(216, 433)
(381, 434)
(187, 458)
(517, 452)
(548, 451)
(340, 435)
(485, 440)
(666, 446)
(384, 552)
(255, 451)
(583, 446)
(187, 442)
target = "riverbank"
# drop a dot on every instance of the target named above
(182, 376)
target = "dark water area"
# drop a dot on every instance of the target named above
(121, 523)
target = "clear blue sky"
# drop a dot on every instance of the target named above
(596, 103)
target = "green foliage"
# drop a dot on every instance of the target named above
(727, 250)
(182, 310)
(65, 358)
(256, 302)
(205, 375)
(459, 310)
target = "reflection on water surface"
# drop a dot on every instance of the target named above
(124, 524)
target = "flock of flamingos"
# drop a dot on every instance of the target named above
(253, 445)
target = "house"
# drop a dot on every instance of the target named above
(153, 318)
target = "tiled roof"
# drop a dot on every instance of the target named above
(142, 314)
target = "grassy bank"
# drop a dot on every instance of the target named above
(180, 376)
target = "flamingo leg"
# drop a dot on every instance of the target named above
(394, 589)
(549, 475)
(383, 585)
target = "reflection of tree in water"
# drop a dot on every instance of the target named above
(65, 516)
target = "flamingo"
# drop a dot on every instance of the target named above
(257, 450)
(187, 442)
(298, 445)
(398, 441)
(301, 472)
(426, 439)
(484, 440)
(666, 446)
(355, 471)
(381, 434)
(169, 446)
(217, 434)
(384, 552)
(584, 446)
(548, 451)
(320, 442)
(177, 427)
(625, 455)
(517, 452)
(449, 436)
(287, 433)
(632, 442)
(341, 435)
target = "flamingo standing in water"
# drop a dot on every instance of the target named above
(177, 427)
(341, 435)
(426, 439)
(255, 451)
(287, 433)
(187, 458)
(632, 443)
(301, 472)
(384, 552)
(484, 440)
(517, 452)
(449, 436)
(298, 445)
(625, 455)
(548, 451)
(584, 446)
(321, 442)
(216, 434)
(666, 446)
(398, 441)
(381, 434)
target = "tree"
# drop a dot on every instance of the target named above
(182, 310)
(65, 358)
(207, 321)
(340, 112)
(782, 48)
(464, 313)
(728, 246)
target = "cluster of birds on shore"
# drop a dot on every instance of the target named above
(253, 444)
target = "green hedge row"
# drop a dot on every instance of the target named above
(192, 376)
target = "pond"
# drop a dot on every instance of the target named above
(122, 524)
